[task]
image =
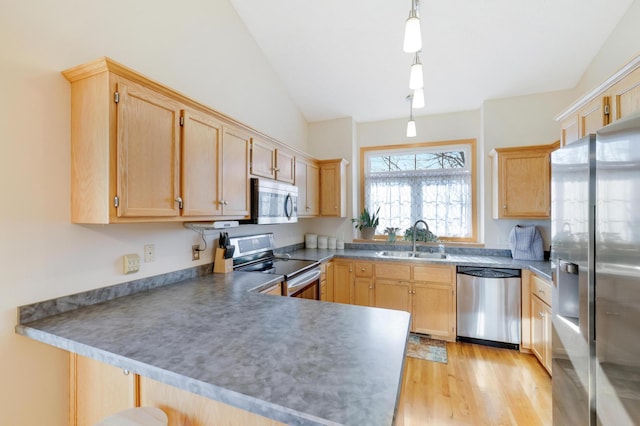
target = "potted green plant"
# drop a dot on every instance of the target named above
(391, 232)
(367, 223)
(421, 235)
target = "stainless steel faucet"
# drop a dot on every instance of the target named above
(414, 232)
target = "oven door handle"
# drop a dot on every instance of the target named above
(304, 279)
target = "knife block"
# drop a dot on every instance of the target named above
(220, 264)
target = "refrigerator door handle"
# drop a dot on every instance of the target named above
(568, 267)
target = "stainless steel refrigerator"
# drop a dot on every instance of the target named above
(595, 253)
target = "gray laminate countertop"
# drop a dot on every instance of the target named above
(293, 360)
(542, 268)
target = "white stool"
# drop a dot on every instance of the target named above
(140, 416)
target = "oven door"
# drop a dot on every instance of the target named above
(305, 286)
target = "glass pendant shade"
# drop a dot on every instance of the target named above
(412, 34)
(418, 99)
(411, 128)
(415, 76)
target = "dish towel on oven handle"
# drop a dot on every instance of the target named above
(526, 243)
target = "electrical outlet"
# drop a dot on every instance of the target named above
(131, 263)
(195, 252)
(149, 252)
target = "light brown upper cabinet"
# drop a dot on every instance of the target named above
(625, 96)
(234, 173)
(569, 130)
(201, 146)
(272, 162)
(130, 160)
(333, 187)
(616, 98)
(148, 142)
(215, 165)
(308, 183)
(521, 182)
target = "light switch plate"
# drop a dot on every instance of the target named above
(131, 263)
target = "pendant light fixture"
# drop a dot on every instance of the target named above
(413, 44)
(418, 98)
(412, 34)
(411, 124)
(415, 76)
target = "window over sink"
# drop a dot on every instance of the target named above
(434, 181)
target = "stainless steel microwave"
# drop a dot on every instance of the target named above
(273, 202)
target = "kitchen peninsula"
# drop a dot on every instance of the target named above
(291, 360)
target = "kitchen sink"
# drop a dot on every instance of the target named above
(395, 253)
(432, 256)
(413, 255)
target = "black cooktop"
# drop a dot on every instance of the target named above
(287, 267)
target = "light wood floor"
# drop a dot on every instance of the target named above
(480, 385)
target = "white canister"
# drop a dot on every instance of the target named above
(322, 242)
(340, 244)
(331, 243)
(311, 241)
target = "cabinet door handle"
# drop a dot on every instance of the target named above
(179, 201)
(224, 203)
(541, 314)
(126, 372)
(504, 207)
(541, 291)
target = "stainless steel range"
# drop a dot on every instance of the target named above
(254, 253)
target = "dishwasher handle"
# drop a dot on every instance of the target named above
(488, 272)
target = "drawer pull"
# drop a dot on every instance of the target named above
(541, 314)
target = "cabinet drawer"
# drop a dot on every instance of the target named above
(393, 271)
(541, 288)
(434, 273)
(364, 269)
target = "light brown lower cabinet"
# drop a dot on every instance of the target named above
(99, 390)
(541, 331)
(326, 282)
(537, 317)
(275, 290)
(425, 291)
(342, 281)
(186, 408)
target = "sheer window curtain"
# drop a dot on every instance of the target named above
(441, 197)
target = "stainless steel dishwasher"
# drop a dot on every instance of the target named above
(489, 306)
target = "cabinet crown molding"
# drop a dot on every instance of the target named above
(600, 89)
(106, 64)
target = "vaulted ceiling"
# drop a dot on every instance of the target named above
(344, 58)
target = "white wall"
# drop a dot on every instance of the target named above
(329, 140)
(519, 121)
(622, 45)
(198, 47)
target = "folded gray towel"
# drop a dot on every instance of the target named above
(526, 243)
